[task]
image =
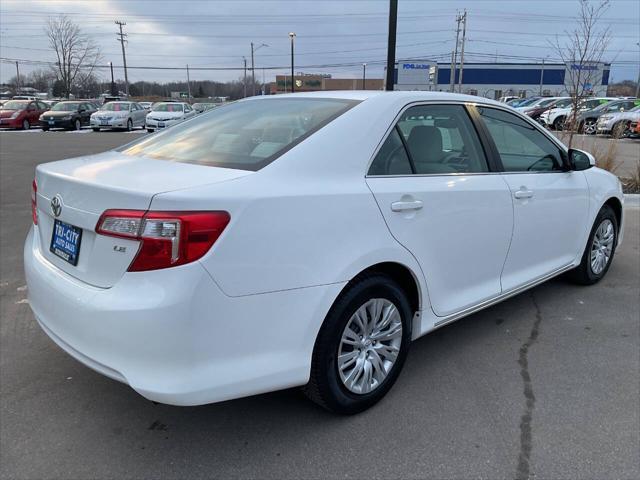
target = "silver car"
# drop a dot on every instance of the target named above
(617, 123)
(121, 115)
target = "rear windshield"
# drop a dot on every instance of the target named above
(244, 135)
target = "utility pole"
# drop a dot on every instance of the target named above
(364, 76)
(454, 62)
(541, 76)
(391, 44)
(17, 79)
(292, 35)
(464, 33)
(122, 38)
(188, 83)
(113, 84)
(253, 74)
(244, 60)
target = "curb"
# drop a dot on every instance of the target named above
(632, 199)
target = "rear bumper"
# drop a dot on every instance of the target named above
(173, 336)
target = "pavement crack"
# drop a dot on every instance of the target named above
(526, 437)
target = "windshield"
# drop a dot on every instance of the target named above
(65, 107)
(245, 135)
(14, 105)
(527, 101)
(115, 107)
(563, 103)
(168, 107)
(602, 106)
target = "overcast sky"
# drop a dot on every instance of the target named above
(332, 36)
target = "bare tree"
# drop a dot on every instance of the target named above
(74, 51)
(582, 53)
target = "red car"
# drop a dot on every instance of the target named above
(21, 113)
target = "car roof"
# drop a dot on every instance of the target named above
(406, 96)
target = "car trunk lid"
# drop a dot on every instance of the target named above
(83, 188)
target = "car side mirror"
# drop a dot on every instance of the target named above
(580, 160)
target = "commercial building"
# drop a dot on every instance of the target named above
(494, 80)
(315, 82)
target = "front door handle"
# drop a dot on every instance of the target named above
(403, 206)
(523, 193)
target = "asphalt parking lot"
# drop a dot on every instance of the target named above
(544, 385)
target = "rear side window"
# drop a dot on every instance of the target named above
(439, 139)
(245, 135)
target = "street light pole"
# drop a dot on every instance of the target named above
(542, 76)
(391, 43)
(292, 35)
(364, 76)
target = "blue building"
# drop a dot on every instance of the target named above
(494, 80)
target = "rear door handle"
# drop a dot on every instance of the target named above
(403, 206)
(523, 193)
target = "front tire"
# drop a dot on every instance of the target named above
(558, 124)
(25, 124)
(95, 129)
(77, 125)
(362, 345)
(150, 130)
(600, 249)
(620, 130)
(129, 125)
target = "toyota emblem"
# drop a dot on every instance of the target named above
(56, 205)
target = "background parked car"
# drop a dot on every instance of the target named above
(555, 117)
(146, 105)
(203, 107)
(166, 114)
(21, 113)
(127, 115)
(588, 119)
(618, 124)
(71, 115)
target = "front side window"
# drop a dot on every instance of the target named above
(521, 146)
(65, 107)
(245, 135)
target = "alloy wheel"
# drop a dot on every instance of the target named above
(369, 346)
(589, 127)
(602, 246)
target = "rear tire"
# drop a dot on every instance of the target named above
(600, 249)
(619, 130)
(378, 298)
(558, 124)
(588, 127)
(45, 129)
(150, 130)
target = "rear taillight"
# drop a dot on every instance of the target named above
(34, 202)
(167, 239)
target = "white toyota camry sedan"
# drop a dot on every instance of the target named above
(306, 240)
